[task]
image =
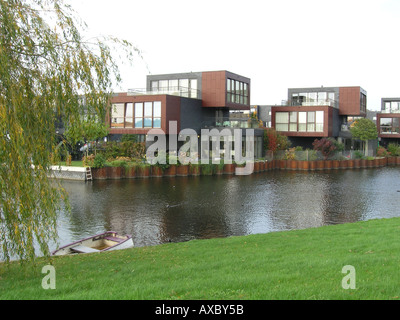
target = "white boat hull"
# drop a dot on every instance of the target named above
(107, 241)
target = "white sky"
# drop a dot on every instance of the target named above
(278, 44)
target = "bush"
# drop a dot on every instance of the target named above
(394, 149)
(382, 152)
(88, 161)
(359, 155)
(325, 146)
(99, 161)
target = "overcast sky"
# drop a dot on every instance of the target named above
(278, 44)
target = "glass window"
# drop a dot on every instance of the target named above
(193, 88)
(321, 96)
(396, 125)
(312, 96)
(282, 117)
(148, 122)
(184, 83)
(148, 109)
(139, 115)
(293, 121)
(163, 85)
(156, 122)
(302, 121)
(386, 125)
(129, 115)
(139, 109)
(117, 115)
(319, 121)
(138, 122)
(154, 85)
(282, 121)
(157, 109)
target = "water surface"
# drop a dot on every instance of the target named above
(156, 211)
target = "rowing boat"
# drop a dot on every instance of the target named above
(107, 241)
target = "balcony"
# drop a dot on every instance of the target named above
(390, 111)
(313, 103)
(174, 91)
(231, 123)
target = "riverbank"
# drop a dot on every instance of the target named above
(301, 264)
(148, 171)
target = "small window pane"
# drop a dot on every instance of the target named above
(154, 85)
(319, 117)
(147, 122)
(302, 117)
(311, 117)
(157, 109)
(282, 117)
(139, 109)
(310, 127)
(281, 127)
(148, 109)
(157, 123)
(138, 122)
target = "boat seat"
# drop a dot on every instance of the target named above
(115, 239)
(83, 249)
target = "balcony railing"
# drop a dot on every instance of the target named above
(230, 123)
(312, 103)
(390, 111)
(174, 91)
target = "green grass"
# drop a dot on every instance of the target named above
(73, 163)
(302, 264)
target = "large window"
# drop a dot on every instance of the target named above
(148, 114)
(390, 125)
(282, 121)
(117, 115)
(237, 91)
(311, 121)
(138, 115)
(182, 87)
(392, 106)
(313, 99)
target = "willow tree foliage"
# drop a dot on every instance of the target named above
(47, 70)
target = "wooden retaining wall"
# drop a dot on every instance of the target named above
(259, 166)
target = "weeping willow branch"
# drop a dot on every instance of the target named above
(46, 69)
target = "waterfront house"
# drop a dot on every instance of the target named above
(388, 121)
(318, 112)
(194, 100)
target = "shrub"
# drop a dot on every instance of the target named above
(99, 161)
(394, 149)
(325, 146)
(382, 152)
(88, 161)
(359, 155)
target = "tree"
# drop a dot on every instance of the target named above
(365, 130)
(326, 146)
(90, 130)
(46, 69)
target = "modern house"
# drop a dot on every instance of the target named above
(312, 113)
(194, 100)
(388, 121)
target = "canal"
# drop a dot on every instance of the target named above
(160, 210)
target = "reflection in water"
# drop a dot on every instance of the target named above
(156, 211)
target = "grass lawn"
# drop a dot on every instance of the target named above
(302, 264)
(73, 163)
